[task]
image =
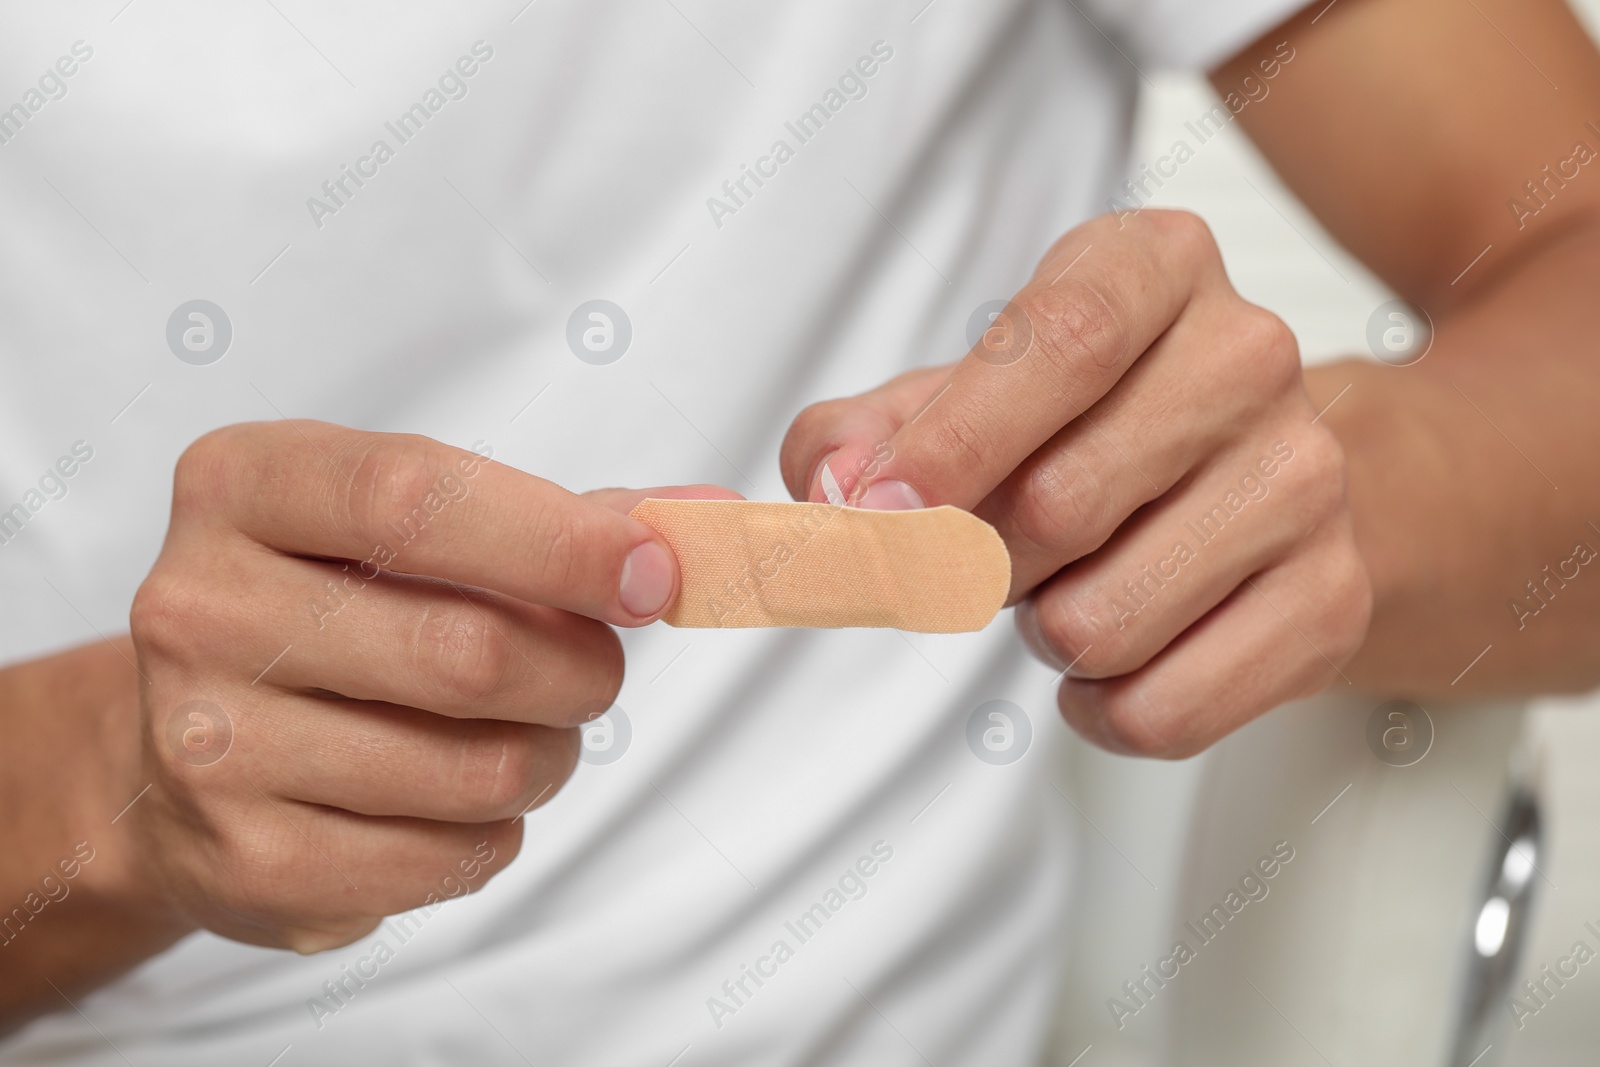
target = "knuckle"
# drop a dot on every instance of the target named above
(816, 427)
(1131, 725)
(499, 767)
(1075, 322)
(390, 483)
(256, 867)
(266, 872)
(561, 534)
(1185, 230)
(613, 664)
(1270, 348)
(1074, 631)
(163, 616)
(812, 424)
(802, 439)
(461, 653)
(958, 439)
(1322, 478)
(1327, 457)
(203, 470)
(1060, 505)
(602, 683)
(1349, 608)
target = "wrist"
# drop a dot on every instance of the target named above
(71, 767)
(1412, 515)
(1384, 451)
(1442, 518)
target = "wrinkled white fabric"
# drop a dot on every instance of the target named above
(596, 151)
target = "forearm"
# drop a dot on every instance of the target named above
(1470, 476)
(73, 914)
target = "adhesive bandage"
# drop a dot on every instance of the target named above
(748, 563)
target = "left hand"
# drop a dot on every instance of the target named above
(1141, 437)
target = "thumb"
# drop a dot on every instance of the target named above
(834, 449)
(653, 572)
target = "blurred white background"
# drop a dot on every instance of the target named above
(1279, 257)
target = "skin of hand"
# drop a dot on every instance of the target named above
(1437, 141)
(1439, 150)
(1141, 438)
(357, 661)
(1406, 126)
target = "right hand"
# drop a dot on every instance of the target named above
(402, 638)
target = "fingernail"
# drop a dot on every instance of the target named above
(646, 579)
(890, 496)
(1026, 618)
(828, 482)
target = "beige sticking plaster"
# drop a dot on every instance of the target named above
(748, 563)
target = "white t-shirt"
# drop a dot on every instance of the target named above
(399, 210)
